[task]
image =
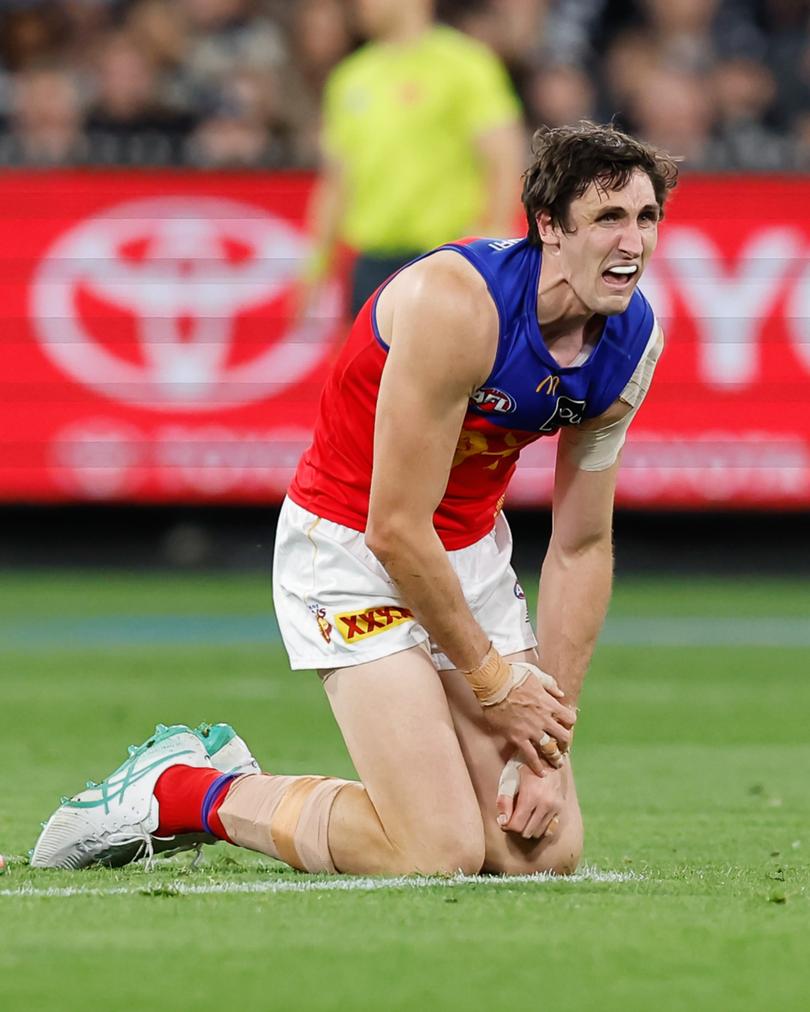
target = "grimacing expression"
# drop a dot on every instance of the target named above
(608, 239)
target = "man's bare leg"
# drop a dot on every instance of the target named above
(415, 810)
(485, 756)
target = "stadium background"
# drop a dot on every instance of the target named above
(216, 101)
(138, 494)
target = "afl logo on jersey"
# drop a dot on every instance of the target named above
(494, 401)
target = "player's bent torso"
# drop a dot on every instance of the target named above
(527, 395)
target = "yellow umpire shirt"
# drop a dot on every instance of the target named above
(402, 121)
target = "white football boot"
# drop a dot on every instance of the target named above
(229, 754)
(112, 823)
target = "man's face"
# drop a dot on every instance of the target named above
(610, 236)
(376, 17)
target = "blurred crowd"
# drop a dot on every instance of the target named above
(233, 83)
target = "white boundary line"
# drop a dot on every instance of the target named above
(348, 884)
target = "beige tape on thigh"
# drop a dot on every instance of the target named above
(310, 838)
(248, 808)
(285, 817)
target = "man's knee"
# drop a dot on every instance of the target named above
(551, 859)
(508, 854)
(448, 847)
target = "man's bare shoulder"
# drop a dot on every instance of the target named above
(443, 290)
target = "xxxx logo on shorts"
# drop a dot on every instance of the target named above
(355, 626)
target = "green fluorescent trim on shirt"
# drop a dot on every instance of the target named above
(402, 121)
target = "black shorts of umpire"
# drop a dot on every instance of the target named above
(369, 272)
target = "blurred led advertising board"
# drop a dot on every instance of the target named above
(150, 351)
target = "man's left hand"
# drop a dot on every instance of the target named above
(527, 804)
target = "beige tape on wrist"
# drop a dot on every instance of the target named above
(492, 679)
(495, 677)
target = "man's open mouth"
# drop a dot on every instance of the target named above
(620, 276)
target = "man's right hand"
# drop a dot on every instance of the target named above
(533, 720)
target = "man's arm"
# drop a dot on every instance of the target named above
(325, 213)
(442, 328)
(576, 579)
(574, 593)
(327, 205)
(577, 572)
(502, 150)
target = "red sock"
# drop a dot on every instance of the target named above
(181, 792)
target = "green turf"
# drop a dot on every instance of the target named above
(693, 765)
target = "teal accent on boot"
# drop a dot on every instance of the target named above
(215, 736)
(114, 822)
(226, 750)
(130, 772)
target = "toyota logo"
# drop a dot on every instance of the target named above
(178, 303)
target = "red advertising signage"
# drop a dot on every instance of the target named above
(151, 352)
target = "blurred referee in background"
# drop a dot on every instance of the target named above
(422, 143)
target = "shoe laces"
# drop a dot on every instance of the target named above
(135, 834)
(198, 858)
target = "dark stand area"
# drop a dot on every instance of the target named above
(241, 538)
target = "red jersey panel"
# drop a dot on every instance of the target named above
(333, 478)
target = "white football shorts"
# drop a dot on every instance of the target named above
(336, 605)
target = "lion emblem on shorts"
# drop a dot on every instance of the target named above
(324, 625)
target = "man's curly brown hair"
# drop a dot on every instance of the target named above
(568, 159)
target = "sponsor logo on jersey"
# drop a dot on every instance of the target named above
(548, 384)
(520, 593)
(354, 626)
(324, 625)
(566, 411)
(495, 401)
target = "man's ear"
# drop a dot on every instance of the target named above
(548, 232)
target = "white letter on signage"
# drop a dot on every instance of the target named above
(798, 318)
(728, 308)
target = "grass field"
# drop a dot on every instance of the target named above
(693, 758)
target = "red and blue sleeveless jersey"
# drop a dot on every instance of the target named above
(527, 395)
